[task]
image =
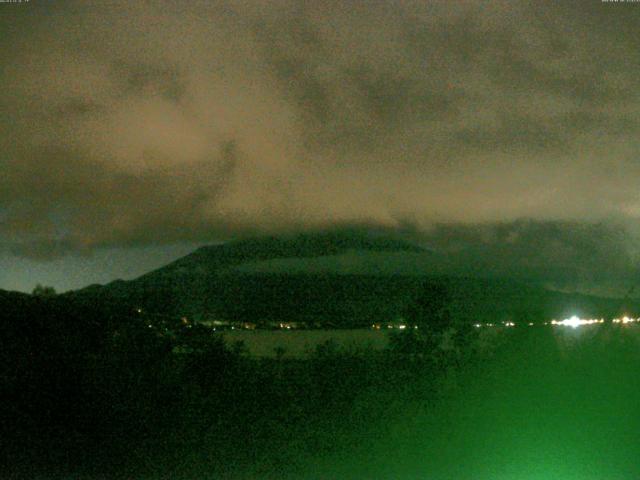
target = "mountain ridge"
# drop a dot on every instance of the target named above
(211, 283)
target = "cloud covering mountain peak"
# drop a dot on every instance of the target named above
(161, 122)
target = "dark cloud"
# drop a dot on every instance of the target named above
(158, 122)
(597, 257)
(158, 81)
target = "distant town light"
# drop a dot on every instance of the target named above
(624, 320)
(575, 322)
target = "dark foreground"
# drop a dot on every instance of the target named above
(111, 399)
(559, 403)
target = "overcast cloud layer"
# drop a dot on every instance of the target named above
(135, 123)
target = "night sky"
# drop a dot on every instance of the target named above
(132, 132)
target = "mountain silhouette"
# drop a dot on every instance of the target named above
(310, 277)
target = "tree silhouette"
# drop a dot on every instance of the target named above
(44, 292)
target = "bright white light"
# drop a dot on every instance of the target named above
(575, 322)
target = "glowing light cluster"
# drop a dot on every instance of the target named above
(503, 324)
(401, 326)
(575, 322)
(624, 320)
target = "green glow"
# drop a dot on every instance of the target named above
(540, 409)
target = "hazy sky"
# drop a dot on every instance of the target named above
(136, 126)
